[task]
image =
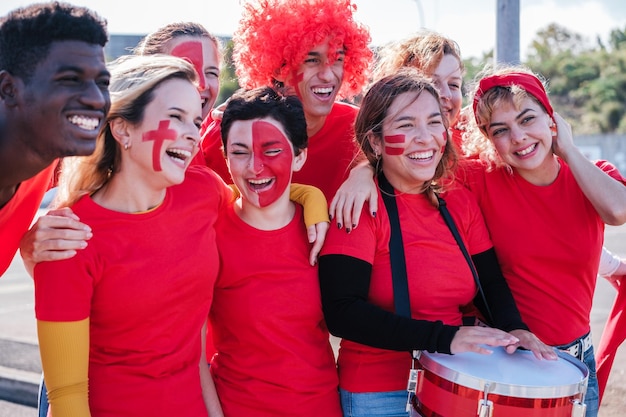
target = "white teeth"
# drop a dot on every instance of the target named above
(87, 123)
(422, 155)
(179, 153)
(260, 182)
(527, 150)
(325, 90)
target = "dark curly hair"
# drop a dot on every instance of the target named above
(266, 102)
(27, 33)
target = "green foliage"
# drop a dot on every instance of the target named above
(228, 78)
(587, 82)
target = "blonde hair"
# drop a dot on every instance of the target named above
(476, 141)
(133, 81)
(422, 51)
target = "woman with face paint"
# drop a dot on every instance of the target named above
(403, 132)
(273, 354)
(120, 323)
(545, 205)
(190, 41)
(438, 58)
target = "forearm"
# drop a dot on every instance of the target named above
(506, 316)
(209, 393)
(344, 283)
(64, 348)
(313, 202)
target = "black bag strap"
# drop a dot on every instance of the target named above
(443, 209)
(396, 251)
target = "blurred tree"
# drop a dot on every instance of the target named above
(228, 78)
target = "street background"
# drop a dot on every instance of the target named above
(19, 355)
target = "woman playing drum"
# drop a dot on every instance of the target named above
(401, 130)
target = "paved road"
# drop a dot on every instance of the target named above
(19, 357)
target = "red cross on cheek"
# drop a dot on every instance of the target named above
(159, 136)
(394, 140)
(192, 52)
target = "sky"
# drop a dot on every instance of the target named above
(472, 23)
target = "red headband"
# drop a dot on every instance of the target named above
(528, 82)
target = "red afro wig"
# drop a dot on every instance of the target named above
(275, 36)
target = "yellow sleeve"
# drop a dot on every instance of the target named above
(313, 201)
(64, 349)
(236, 193)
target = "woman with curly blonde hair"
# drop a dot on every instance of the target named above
(545, 205)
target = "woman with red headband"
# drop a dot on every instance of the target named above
(545, 205)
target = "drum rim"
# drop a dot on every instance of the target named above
(506, 389)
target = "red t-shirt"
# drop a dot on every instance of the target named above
(273, 351)
(17, 215)
(331, 151)
(145, 281)
(439, 278)
(548, 240)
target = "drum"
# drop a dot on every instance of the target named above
(499, 385)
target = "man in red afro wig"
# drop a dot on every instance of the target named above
(317, 51)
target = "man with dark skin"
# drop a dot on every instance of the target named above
(53, 100)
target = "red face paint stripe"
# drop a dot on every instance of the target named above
(393, 151)
(395, 139)
(159, 136)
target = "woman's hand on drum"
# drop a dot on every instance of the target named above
(529, 341)
(470, 339)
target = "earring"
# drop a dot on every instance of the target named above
(126, 145)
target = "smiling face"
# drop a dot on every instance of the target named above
(203, 54)
(521, 135)
(448, 78)
(66, 100)
(414, 138)
(261, 160)
(167, 138)
(318, 80)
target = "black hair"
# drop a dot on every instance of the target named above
(265, 102)
(27, 33)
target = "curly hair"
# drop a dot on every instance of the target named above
(27, 33)
(477, 142)
(274, 37)
(265, 102)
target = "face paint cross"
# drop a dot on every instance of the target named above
(159, 136)
(192, 52)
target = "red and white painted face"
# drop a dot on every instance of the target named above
(414, 141)
(260, 158)
(522, 136)
(202, 53)
(318, 80)
(167, 138)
